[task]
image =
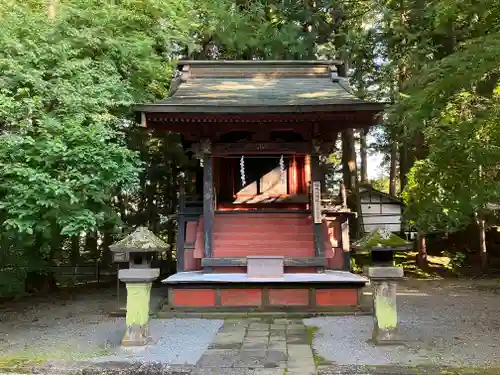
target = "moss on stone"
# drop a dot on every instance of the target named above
(25, 360)
(385, 312)
(311, 331)
(318, 360)
(20, 362)
(141, 239)
(380, 238)
(138, 297)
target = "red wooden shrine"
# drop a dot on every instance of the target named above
(254, 234)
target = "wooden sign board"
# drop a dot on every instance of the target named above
(316, 195)
(345, 235)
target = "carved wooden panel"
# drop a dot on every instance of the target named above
(261, 148)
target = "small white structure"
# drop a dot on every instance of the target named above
(380, 210)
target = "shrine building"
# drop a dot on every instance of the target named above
(254, 233)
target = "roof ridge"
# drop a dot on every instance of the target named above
(344, 83)
(242, 68)
(259, 62)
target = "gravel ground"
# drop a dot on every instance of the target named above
(444, 323)
(175, 341)
(80, 327)
(57, 328)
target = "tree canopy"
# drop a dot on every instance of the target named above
(438, 63)
(455, 105)
(65, 94)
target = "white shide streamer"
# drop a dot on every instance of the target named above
(282, 169)
(242, 171)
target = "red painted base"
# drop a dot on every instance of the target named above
(271, 297)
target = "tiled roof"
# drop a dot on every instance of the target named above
(260, 85)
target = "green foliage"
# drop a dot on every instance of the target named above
(457, 260)
(61, 175)
(457, 109)
(261, 29)
(16, 264)
(66, 90)
(355, 266)
(381, 184)
(438, 62)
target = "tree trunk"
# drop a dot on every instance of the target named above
(483, 254)
(39, 281)
(422, 251)
(349, 160)
(171, 226)
(393, 168)
(350, 174)
(91, 247)
(403, 166)
(141, 216)
(107, 240)
(122, 206)
(151, 208)
(363, 151)
(75, 250)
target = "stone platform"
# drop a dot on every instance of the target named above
(328, 291)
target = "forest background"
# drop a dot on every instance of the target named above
(76, 174)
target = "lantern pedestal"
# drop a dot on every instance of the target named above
(385, 314)
(138, 282)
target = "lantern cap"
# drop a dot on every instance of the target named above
(382, 239)
(141, 240)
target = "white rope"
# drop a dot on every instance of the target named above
(242, 171)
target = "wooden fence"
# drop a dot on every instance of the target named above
(93, 272)
(83, 274)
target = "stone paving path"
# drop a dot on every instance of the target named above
(256, 347)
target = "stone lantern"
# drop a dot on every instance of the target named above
(139, 249)
(384, 275)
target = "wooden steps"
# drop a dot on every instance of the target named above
(222, 284)
(241, 235)
(245, 234)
